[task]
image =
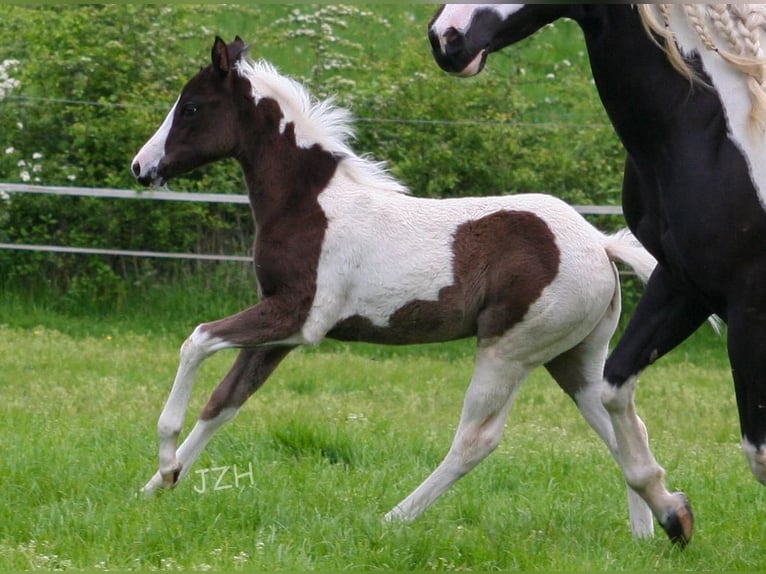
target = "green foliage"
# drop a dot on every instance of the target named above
(82, 88)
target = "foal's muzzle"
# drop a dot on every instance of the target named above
(150, 178)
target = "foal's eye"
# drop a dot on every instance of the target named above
(188, 110)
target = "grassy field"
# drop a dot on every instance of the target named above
(340, 434)
(302, 478)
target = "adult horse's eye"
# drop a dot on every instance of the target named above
(188, 110)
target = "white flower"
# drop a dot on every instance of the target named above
(9, 150)
(25, 176)
(37, 155)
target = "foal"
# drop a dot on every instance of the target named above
(342, 251)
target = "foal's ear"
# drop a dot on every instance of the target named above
(237, 49)
(220, 57)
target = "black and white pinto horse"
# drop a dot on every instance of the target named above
(342, 251)
(693, 190)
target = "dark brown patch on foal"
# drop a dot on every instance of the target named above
(284, 182)
(502, 263)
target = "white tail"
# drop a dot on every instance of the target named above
(625, 248)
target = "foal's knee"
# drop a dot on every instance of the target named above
(756, 456)
(200, 345)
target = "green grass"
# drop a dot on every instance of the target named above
(342, 433)
(332, 442)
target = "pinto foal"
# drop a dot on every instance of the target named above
(342, 251)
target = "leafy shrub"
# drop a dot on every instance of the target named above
(81, 88)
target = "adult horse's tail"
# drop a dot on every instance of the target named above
(625, 248)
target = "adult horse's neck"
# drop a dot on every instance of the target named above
(642, 93)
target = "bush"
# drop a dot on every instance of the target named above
(82, 88)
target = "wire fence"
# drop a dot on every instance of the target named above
(164, 195)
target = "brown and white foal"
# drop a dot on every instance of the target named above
(343, 251)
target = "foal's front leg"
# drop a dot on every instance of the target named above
(250, 371)
(271, 321)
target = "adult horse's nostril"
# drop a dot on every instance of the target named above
(452, 35)
(136, 168)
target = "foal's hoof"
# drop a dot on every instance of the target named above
(169, 479)
(679, 523)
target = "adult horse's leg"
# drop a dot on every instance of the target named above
(249, 372)
(579, 372)
(747, 353)
(487, 401)
(663, 318)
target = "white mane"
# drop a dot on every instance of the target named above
(316, 122)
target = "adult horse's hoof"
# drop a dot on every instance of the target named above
(679, 523)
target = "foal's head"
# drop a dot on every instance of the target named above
(202, 125)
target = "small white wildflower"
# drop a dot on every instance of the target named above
(71, 177)
(21, 163)
(37, 155)
(25, 177)
(550, 76)
(9, 150)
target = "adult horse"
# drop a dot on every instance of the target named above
(690, 194)
(342, 251)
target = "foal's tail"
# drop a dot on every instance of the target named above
(625, 248)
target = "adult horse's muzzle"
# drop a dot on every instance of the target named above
(455, 54)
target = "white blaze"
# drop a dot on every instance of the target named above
(151, 154)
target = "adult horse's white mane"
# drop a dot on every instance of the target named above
(732, 31)
(316, 122)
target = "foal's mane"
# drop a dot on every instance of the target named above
(316, 122)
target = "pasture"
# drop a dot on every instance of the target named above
(302, 478)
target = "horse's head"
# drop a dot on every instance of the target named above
(200, 128)
(463, 35)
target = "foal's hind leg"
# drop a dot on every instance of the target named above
(487, 401)
(579, 373)
(249, 372)
(663, 318)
